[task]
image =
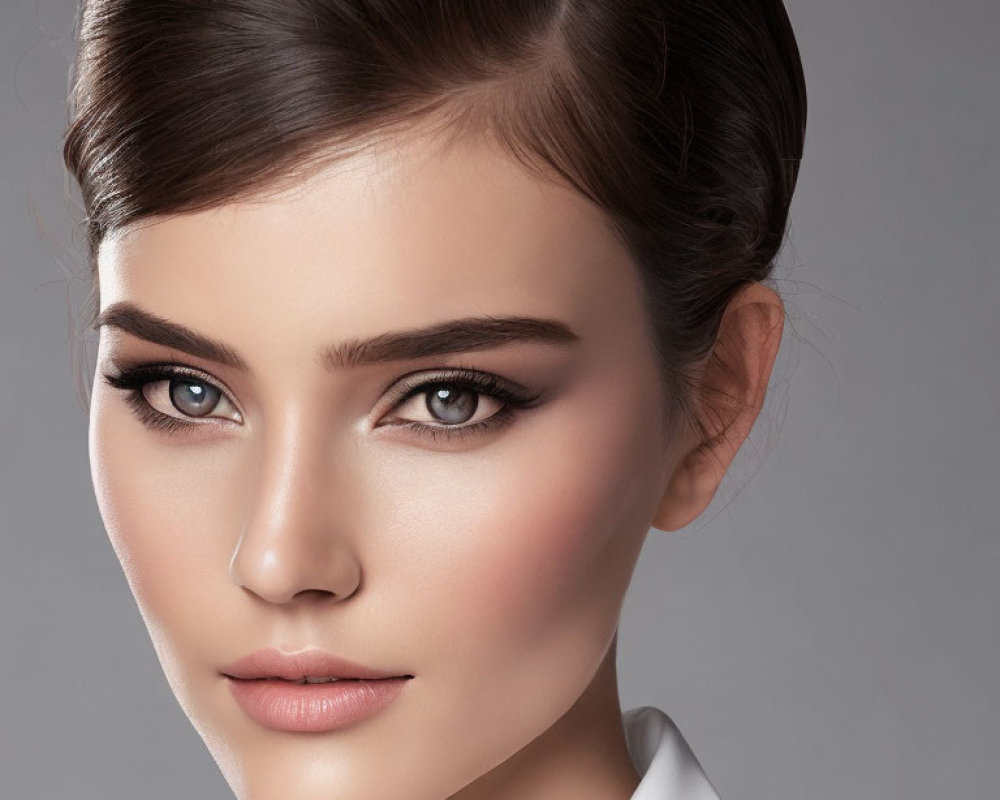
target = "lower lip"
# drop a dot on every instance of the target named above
(313, 707)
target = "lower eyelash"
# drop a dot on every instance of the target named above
(461, 432)
(153, 418)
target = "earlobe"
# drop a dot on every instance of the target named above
(730, 397)
(691, 488)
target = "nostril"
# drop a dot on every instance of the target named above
(316, 594)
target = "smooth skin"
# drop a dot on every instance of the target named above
(300, 513)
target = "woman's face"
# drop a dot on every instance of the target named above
(311, 495)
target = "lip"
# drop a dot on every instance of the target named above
(272, 663)
(313, 708)
(261, 685)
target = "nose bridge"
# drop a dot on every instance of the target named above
(295, 537)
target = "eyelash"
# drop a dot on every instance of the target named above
(133, 380)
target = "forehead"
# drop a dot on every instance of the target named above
(405, 232)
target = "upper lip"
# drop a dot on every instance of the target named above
(273, 663)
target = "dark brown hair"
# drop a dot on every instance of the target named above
(683, 119)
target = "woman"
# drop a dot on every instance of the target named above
(414, 318)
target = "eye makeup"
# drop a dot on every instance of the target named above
(514, 398)
(133, 380)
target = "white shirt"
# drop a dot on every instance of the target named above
(663, 759)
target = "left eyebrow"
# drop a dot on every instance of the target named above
(451, 336)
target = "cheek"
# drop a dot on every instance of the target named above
(532, 554)
(160, 506)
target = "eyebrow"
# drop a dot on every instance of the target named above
(451, 336)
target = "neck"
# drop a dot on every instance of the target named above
(582, 754)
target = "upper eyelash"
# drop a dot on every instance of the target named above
(134, 379)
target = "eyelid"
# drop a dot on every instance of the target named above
(412, 383)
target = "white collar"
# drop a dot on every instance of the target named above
(663, 759)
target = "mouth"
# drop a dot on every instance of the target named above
(313, 703)
(314, 680)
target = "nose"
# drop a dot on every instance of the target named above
(294, 542)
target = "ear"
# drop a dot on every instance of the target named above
(730, 396)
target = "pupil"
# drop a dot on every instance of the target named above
(451, 405)
(193, 399)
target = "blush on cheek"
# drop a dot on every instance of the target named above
(551, 554)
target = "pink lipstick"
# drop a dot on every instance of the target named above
(310, 691)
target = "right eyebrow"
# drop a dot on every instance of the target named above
(451, 336)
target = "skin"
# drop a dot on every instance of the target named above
(494, 568)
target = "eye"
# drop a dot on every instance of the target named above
(453, 406)
(165, 397)
(452, 403)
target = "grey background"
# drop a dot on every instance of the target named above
(831, 630)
